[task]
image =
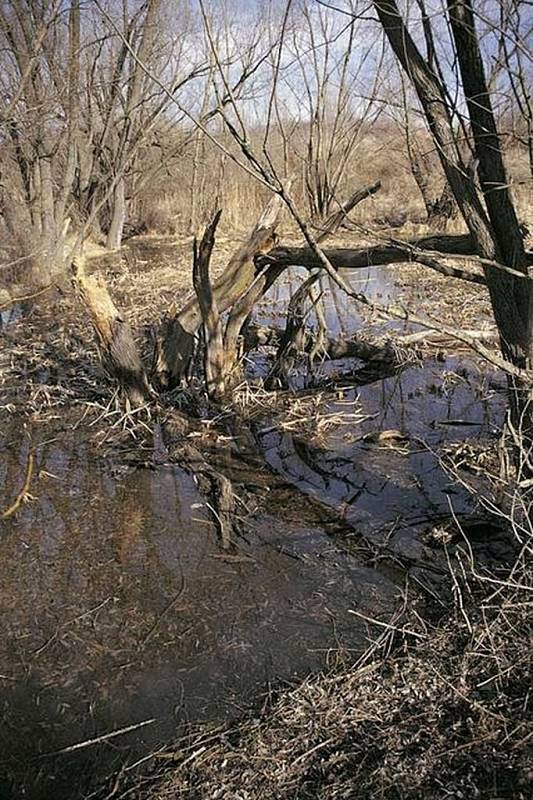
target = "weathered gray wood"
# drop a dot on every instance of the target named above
(178, 332)
(213, 342)
(353, 347)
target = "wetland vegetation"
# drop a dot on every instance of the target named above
(265, 400)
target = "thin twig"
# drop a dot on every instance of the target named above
(104, 738)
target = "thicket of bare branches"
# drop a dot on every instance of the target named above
(111, 117)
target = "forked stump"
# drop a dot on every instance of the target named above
(177, 340)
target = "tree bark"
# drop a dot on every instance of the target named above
(118, 217)
(511, 299)
(435, 105)
(214, 355)
(379, 255)
(496, 235)
(177, 342)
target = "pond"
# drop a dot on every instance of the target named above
(124, 619)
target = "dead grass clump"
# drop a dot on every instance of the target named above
(158, 214)
(306, 415)
(447, 714)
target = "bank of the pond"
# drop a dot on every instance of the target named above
(431, 711)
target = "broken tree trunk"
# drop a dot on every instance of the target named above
(334, 222)
(178, 334)
(212, 328)
(118, 351)
(293, 339)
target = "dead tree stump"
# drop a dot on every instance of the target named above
(118, 350)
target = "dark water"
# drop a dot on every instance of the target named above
(380, 485)
(119, 607)
(10, 315)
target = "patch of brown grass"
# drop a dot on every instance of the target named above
(437, 712)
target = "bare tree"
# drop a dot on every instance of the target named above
(41, 120)
(491, 218)
(324, 76)
(515, 61)
(123, 108)
(71, 139)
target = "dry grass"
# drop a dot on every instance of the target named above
(305, 415)
(51, 358)
(430, 711)
(380, 155)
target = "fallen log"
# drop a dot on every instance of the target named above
(438, 338)
(375, 255)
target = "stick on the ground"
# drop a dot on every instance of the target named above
(104, 738)
(24, 491)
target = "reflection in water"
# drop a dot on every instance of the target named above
(380, 486)
(342, 314)
(118, 607)
(383, 489)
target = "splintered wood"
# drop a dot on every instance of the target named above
(118, 350)
(212, 328)
(177, 336)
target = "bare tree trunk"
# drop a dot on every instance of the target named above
(49, 261)
(496, 234)
(214, 366)
(512, 300)
(442, 210)
(118, 217)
